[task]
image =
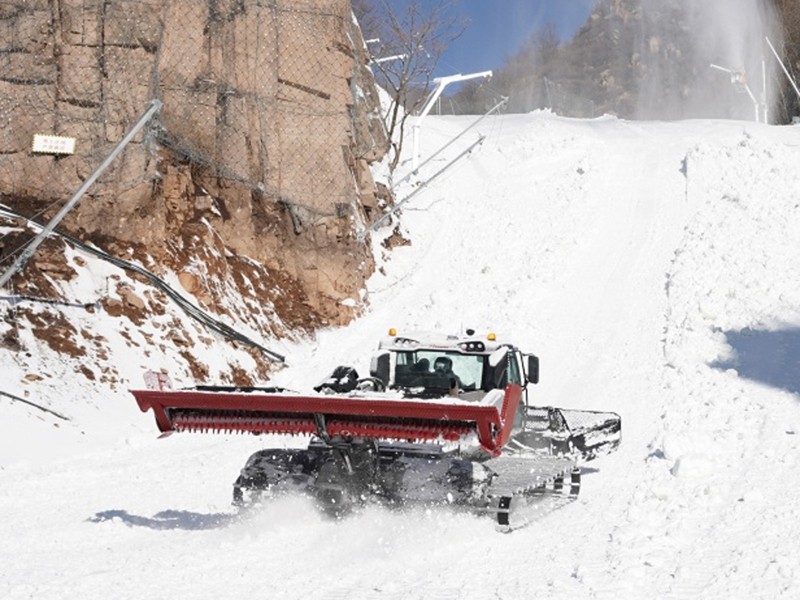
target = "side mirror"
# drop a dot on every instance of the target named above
(533, 368)
(379, 367)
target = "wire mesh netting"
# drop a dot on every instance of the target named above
(255, 94)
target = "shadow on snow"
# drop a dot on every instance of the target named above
(169, 519)
(769, 357)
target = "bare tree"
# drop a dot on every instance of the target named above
(411, 38)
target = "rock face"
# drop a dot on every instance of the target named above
(270, 119)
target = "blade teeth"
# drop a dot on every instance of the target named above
(238, 422)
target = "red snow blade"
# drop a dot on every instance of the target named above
(379, 418)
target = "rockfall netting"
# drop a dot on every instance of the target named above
(255, 95)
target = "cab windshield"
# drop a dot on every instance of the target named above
(436, 369)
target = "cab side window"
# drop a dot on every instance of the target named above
(514, 373)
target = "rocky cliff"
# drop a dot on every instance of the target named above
(261, 150)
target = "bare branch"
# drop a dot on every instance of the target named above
(411, 38)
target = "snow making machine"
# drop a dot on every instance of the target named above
(440, 419)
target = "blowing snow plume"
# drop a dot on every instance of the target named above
(681, 39)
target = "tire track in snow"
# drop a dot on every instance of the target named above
(631, 335)
(713, 460)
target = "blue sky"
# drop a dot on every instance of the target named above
(497, 28)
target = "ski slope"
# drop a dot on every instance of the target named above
(653, 268)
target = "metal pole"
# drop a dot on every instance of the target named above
(764, 98)
(496, 107)
(377, 61)
(786, 72)
(737, 77)
(755, 102)
(155, 105)
(399, 205)
(443, 83)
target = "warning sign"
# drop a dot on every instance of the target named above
(53, 144)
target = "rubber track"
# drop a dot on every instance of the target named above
(517, 477)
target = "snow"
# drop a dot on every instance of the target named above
(653, 268)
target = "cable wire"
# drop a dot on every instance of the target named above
(187, 306)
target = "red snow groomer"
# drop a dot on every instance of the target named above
(440, 419)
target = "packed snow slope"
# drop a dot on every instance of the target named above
(653, 268)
